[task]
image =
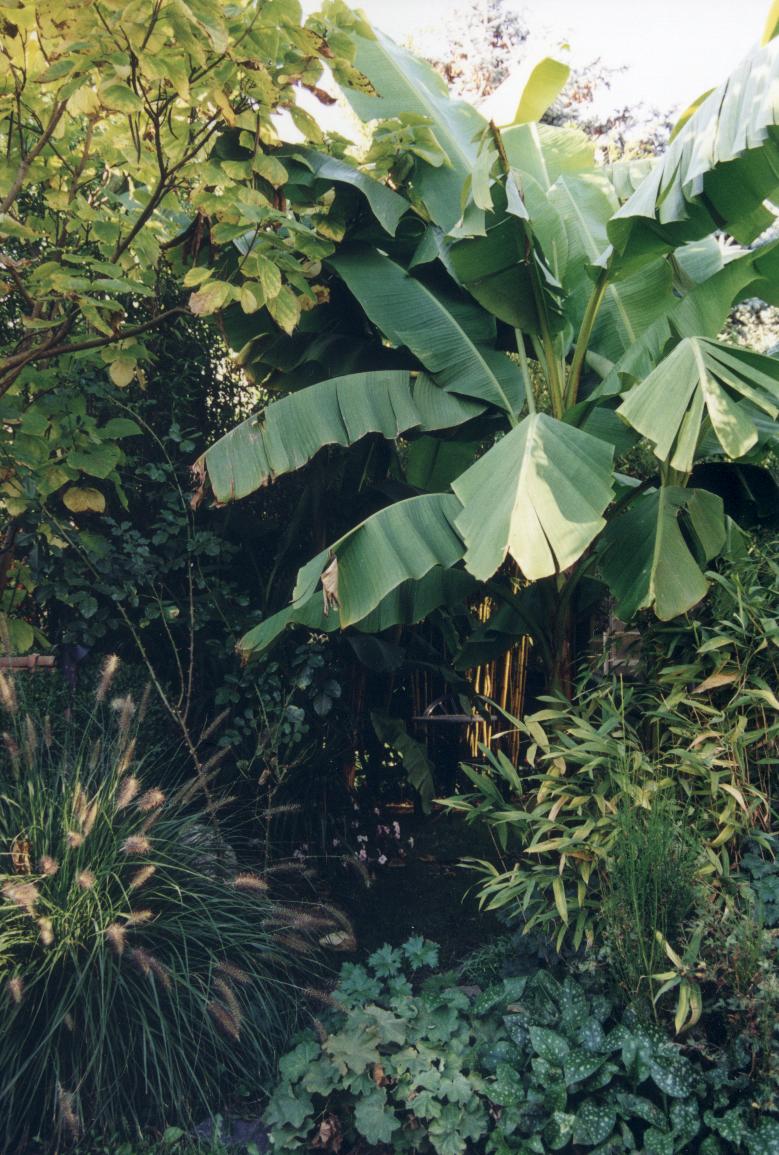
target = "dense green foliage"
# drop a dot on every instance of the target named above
(530, 1064)
(513, 322)
(481, 379)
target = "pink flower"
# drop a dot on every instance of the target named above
(382, 859)
(363, 855)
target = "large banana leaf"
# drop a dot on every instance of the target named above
(340, 411)
(433, 463)
(586, 203)
(506, 273)
(718, 170)
(538, 494)
(514, 270)
(702, 377)
(527, 92)
(645, 557)
(403, 541)
(405, 85)
(702, 312)
(545, 152)
(410, 602)
(400, 543)
(447, 336)
(387, 206)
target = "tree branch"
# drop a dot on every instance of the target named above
(32, 155)
(13, 365)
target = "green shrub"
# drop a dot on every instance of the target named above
(142, 978)
(533, 1064)
(718, 668)
(556, 818)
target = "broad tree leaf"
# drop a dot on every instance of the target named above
(83, 499)
(718, 170)
(448, 337)
(340, 411)
(17, 635)
(405, 85)
(698, 378)
(538, 494)
(387, 206)
(645, 557)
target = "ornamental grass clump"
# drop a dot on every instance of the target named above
(140, 980)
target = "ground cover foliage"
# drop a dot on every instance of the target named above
(531, 1063)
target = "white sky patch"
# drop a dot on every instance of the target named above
(671, 50)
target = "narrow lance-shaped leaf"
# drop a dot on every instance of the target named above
(699, 378)
(339, 411)
(538, 494)
(645, 557)
(448, 337)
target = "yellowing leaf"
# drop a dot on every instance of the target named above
(270, 168)
(682, 1007)
(210, 298)
(527, 93)
(268, 276)
(558, 889)
(196, 276)
(721, 678)
(771, 27)
(80, 499)
(252, 297)
(122, 371)
(285, 309)
(734, 792)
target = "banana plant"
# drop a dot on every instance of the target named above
(515, 318)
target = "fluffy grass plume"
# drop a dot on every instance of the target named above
(139, 977)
